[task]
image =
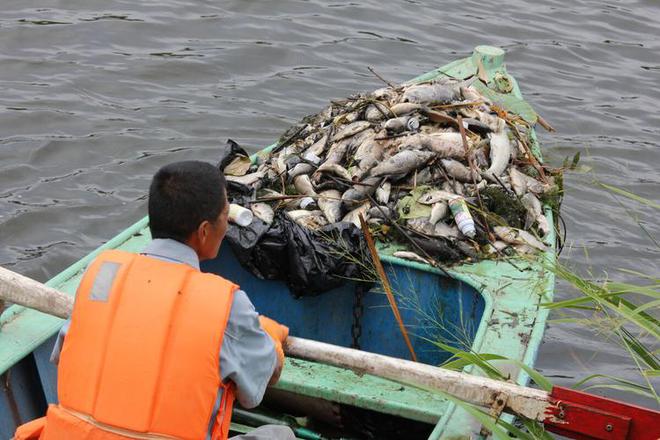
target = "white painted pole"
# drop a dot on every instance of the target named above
(18, 289)
(528, 402)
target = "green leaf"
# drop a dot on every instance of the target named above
(613, 379)
(628, 194)
(629, 389)
(637, 348)
(640, 274)
(575, 161)
(650, 290)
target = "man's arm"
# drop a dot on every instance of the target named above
(57, 349)
(248, 356)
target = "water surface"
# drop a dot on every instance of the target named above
(96, 95)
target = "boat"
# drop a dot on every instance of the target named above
(492, 306)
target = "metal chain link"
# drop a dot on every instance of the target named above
(358, 311)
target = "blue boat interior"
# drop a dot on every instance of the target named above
(434, 308)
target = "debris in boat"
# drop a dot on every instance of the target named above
(407, 156)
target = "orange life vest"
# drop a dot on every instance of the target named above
(141, 357)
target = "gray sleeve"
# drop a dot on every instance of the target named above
(57, 349)
(248, 356)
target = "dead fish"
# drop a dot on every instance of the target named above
(314, 221)
(472, 190)
(297, 214)
(459, 189)
(518, 182)
(524, 249)
(430, 93)
(329, 184)
(337, 151)
(471, 94)
(495, 123)
(522, 183)
(424, 226)
(318, 147)
(420, 177)
(500, 154)
(299, 169)
(380, 212)
(354, 215)
(351, 130)
(478, 157)
(248, 179)
(367, 155)
(500, 245)
(518, 236)
(439, 211)
(459, 171)
(263, 211)
(333, 168)
(402, 163)
(435, 196)
(447, 144)
(330, 204)
(383, 192)
(403, 108)
(360, 191)
(477, 126)
(326, 113)
(407, 255)
(386, 93)
(280, 161)
(376, 112)
(401, 124)
(303, 185)
(535, 213)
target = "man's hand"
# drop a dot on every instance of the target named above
(278, 333)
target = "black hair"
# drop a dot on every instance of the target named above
(182, 195)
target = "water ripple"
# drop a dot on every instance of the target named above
(95, 96)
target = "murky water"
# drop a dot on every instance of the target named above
(97, 95)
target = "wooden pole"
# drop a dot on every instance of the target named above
(386, 285)
(18, 289)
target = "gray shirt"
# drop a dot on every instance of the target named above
(247, 357)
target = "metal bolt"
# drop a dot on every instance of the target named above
(609, 427)
(561, 414)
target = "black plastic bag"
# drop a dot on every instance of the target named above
(232, 154)
(310, 262)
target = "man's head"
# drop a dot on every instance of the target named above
(188, 203)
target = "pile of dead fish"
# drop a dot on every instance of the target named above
(399, 158)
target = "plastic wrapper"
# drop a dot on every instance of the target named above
(309, 262)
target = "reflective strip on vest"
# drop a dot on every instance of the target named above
(142, 351)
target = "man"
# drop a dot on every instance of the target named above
(156, 349)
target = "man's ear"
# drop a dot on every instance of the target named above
(203, 231)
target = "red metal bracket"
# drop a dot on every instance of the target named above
(583, 416)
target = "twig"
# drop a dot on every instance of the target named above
(535, 163)
(287, 140)
(543, 123)
(394, 86)
(386, 285)
(458, 104)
